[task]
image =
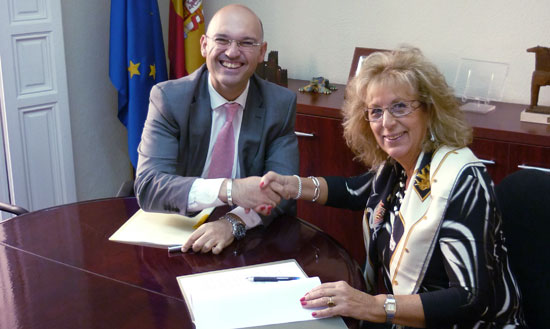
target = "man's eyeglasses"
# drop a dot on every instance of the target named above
(397, 110)
(242, 44)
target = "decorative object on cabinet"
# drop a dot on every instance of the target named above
(480, 81)
(541, 77)
(359, 55)
(271, 71)
(534, 116)
(318, 85)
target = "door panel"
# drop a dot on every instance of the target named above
(495, 156)
(529, 157)
(35, 110)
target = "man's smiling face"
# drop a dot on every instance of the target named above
(230, 67)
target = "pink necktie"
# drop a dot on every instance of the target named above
(223, 152)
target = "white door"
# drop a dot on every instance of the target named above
(34, 103)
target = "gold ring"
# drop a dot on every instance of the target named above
(330, 302)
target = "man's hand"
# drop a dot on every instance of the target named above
(212, 236)
(246, 192)
(285, 186)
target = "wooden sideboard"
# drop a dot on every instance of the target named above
(500, 139)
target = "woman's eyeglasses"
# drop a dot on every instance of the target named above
(397, 110)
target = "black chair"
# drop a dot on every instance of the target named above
(524, 199)
(12, 209)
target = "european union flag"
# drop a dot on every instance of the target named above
(136, 62)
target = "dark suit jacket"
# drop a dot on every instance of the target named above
(175, 139)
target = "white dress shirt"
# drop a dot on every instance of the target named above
(204, 192)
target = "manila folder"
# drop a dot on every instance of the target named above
(158, 229)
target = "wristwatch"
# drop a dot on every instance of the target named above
(239, 229)
(390, 307)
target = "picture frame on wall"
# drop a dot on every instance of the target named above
(359, 55)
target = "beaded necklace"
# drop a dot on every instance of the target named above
(397, 200)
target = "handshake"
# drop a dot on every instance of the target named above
(262, 194)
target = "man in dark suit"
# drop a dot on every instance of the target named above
(176, 153)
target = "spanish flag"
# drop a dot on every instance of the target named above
(184, 34)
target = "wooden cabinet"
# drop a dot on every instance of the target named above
(323, 152)
(529, 156)
(495, 156)
(500, 139)
(503, 158)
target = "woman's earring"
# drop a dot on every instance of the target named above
(432, 137)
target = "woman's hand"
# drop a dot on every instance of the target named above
(350, 302)
(346, 301)
(285, 186)
(246, 192)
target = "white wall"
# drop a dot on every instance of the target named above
(317, 37)
(99, 138)
(313, 37)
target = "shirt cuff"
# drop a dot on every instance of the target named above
(252, 219)
(204, 194)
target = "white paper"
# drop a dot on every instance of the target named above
(157, 229)
(226, 299)
(265, 303)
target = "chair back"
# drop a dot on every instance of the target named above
(524, 200)
(12, 209)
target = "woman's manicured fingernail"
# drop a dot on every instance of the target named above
(314, 314)
(261, 184)
(302, 299)
(262, 208)
(303, 302)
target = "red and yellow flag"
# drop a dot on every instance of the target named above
(184, 34)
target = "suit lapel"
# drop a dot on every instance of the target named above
(200, 121)
(250, 137)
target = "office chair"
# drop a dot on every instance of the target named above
(12, 209)
(126, 189)
(524, 200)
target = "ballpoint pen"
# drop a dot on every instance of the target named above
(175, 249)
(271, 278)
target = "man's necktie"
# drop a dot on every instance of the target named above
(223, 152)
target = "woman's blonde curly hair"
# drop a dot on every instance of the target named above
(405, 67)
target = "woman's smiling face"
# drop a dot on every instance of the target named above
(401, 138)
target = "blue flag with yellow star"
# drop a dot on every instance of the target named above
(136, 62)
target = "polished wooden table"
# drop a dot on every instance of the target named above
(59, 270)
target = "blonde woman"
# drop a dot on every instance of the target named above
(431, 224)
